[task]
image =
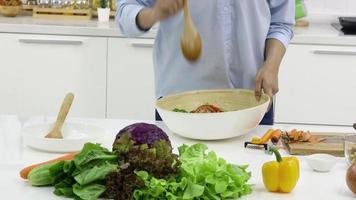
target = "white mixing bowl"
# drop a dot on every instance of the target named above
(243, 113)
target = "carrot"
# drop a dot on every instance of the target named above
(292, 133)
(276, 135)
(25, 171)
(267, 136)
(264, 139)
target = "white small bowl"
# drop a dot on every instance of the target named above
(75, 135)
(321, 162)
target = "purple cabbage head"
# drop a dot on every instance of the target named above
(142, 133)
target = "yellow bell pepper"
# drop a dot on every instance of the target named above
(281, 175)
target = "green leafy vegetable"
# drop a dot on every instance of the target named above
(220, 179)
(203, 176)
(92, 152)
(95, 173)
(180, 110)
(65, 187)
(140, 147)
(158, 160)
(159, 188)
(41, 176)
(143, 167)
(121, 185)
(81, 178)
(88, 192)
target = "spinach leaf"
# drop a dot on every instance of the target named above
(88, 192)
(95, 173)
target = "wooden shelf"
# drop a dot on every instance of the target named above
(27, 10)
(62, 13)
(28, 7)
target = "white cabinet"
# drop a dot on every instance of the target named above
(130, 85)
(317, 85)
(36, 72)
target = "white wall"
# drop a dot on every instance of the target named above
(338, 7)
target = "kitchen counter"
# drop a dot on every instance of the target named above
(14, 155)
(319, 31)
(29, 25)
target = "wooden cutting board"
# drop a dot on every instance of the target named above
(334, 145)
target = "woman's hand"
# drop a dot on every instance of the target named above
(166, 8)
(267, 75)
(162, 9)
(267, 81)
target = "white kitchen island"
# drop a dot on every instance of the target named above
(311, 185)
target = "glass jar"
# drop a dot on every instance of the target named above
(350, 148)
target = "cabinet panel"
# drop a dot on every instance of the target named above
(130, 79)
(38, 70)
(317, 85)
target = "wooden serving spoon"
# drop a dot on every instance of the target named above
(191, 45)
(56, 132)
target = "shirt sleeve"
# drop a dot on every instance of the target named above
(126, 15)
(282, 20)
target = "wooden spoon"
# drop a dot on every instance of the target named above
(56, 131)
(190, 39)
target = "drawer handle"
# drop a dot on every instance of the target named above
(50, 41)
(335, 52)
(142, 43)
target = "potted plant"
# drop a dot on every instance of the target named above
(103, 11)
(10, 8)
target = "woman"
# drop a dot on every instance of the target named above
(244, 42)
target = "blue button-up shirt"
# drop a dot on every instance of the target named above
(233, 36)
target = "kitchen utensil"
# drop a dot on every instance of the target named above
(67, 4)
(300, 12)
(31, 2)
(57, 3)
(259, 142)
(44, 4)
(75, 135)
(348, 23)
(300, 9)
(321, 162)
(191, 45)
(350, 148)
(256, 146)
(56, 131)
(81, 4)
(333, 145)
(243, 113)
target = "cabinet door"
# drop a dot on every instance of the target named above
(317, 85)
(130, 79)
(38, 70)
